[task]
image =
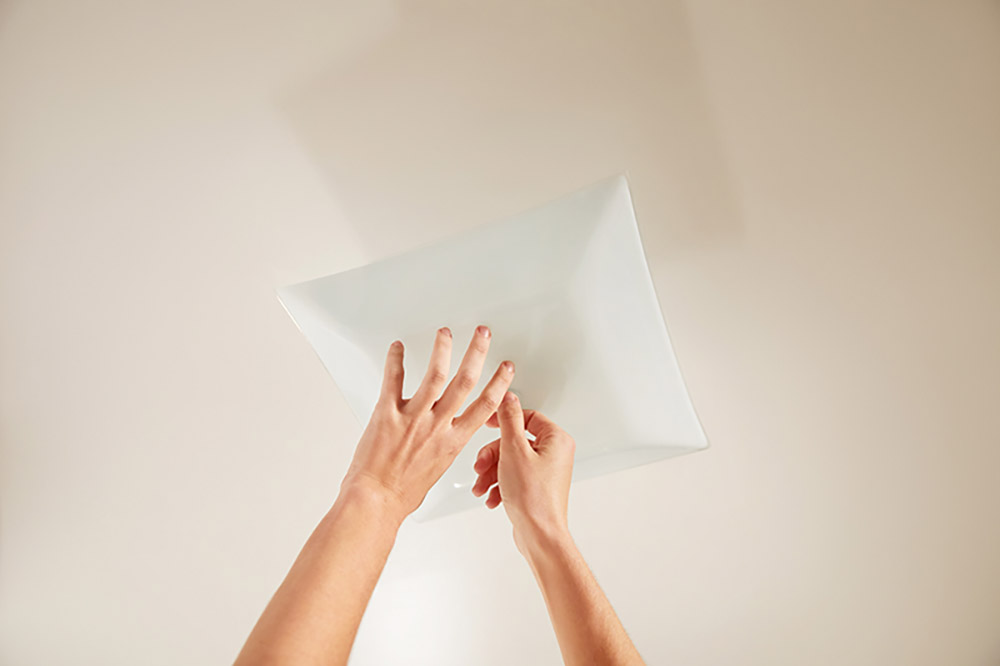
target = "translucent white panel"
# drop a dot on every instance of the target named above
(567, 293)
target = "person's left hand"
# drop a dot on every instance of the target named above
(409, 443)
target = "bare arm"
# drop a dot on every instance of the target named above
(314, 615)
(586, 625)
(532, 480)
(407, 446)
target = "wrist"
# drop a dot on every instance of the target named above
(374, 501)
(539, 540)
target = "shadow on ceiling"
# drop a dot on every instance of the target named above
(462, 116)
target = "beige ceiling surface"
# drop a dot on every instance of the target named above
(818, 185)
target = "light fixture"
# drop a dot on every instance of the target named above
(567, 293)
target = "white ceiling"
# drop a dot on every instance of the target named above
(817, 185)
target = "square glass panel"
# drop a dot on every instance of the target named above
(567, 293)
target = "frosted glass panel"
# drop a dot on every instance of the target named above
(567, 293)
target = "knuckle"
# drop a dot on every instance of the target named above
(436, 376)
(465, 381)
(490, 402)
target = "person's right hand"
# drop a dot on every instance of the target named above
(532, 480)
(532, 477)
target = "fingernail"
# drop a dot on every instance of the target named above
(397, 344)
(445, 330)
(483, 331)
(508, 366)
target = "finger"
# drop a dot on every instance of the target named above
(488, 456)
(476, 414)
(511, 420)
(493, 501)
(538, 424)
(392, 378)
(437, 371)
(534, 422)
(485, 481)
(468, 373)
(486, 467)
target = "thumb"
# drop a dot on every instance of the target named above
(511, 420)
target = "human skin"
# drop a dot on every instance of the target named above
(408, 444)
(406, 447)
(532, 479)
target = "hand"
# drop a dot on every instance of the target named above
(409, 443)
(532, 477)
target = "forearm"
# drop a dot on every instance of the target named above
(585, 623)
(315, 613)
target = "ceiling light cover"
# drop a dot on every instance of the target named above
(567, 293)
